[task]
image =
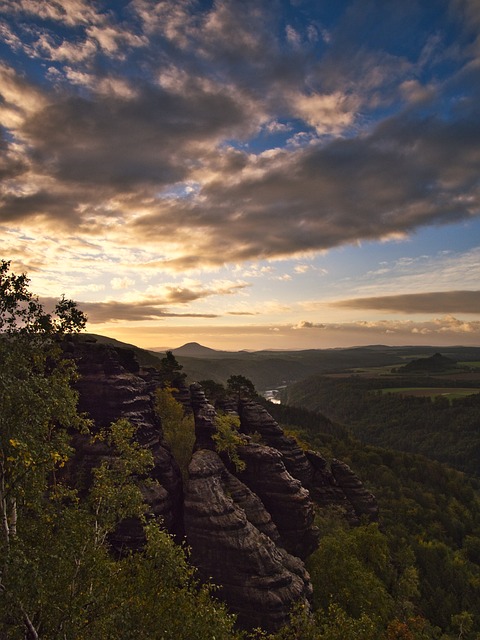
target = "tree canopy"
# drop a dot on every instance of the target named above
(58, 579)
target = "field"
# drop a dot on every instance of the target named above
(447, 392)
(471, 365)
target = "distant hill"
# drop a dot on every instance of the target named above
(195, 350)
(433, 364)
(271, 369)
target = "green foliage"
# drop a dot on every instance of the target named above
(164, 599)
(351, 570)
(430, 516)
(447, 431)
(171, 371)
(22, 314)
(61, 577)
(240, 385)
(115, 494)
(37, 403)
(332, 624)
(227, 438)
(214, 391)
(178, 428)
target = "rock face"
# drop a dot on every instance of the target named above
(287, 501)
(110, 388)
(254, 418)
(363, 502)
(335, 486)
(249, 528)
(235, 542)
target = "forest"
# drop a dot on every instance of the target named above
(436, 427)
(413, 575)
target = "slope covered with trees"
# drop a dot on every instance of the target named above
(414, 575)
(429, 529)
(448, 431)
(58, 578)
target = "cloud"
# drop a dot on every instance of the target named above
(403, 330)
(327, 114)
(302, 268)
(430, 302)
(114, 311)
(122, 283)
(142, 137)
(305, 324)
(175, 294)
(68, 12)
(159, 302)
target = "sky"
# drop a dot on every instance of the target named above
(247, 174)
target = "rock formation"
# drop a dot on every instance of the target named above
(110, 388)
(252, 526)
(255, 419)
(335, 486)
(235, 543)
(248, 528)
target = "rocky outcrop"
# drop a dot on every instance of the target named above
(328, 485)
(265, 472)
(110, 388)
(255, 419)
(252, 524)
(235, 543)
(204, 413)
(249, 528)
(363, 502)
(287, 501)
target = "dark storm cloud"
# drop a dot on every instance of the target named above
(433, 302)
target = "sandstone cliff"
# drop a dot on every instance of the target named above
(110, 388)
(249, 528)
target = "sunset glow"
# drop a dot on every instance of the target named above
(247, 174)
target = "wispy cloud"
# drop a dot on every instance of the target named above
(431, 302)
(438, 327)
(114, 311)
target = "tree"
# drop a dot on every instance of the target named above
(214, 391)
(350, 569)
(37, 406)
(239, 384)
(37, 402)
(228, 438)
(178, 428)
(171, 371)
(58, 579)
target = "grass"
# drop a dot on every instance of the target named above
(447, 392)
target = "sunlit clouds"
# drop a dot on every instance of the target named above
(247, 166)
